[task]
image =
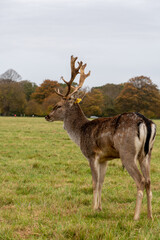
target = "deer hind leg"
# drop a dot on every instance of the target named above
(131, 167)
(145, 168)
(98, 173)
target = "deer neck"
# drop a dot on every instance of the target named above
(73, 121)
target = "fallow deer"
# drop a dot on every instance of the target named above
(128, 136)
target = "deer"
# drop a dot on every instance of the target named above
(128, 136)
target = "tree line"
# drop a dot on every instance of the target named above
(23, 97)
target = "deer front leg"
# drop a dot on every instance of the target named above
(102, 172)
(94, 171)
(98, 173)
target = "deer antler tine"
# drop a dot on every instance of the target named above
(73, 59)
(80, 64)
(83, 67)
(64, 80)
(88, 74)
(74, 70)
(58, 93)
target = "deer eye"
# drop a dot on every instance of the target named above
(56, 107)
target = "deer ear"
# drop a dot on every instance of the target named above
(79, 94)
(75, 98)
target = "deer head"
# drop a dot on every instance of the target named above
(68, 100)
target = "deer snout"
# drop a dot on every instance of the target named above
(47, 117)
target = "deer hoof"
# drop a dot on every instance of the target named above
(150, 217)
(98, 209)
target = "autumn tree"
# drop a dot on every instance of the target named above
(12, 98)
(140, 95)
(33, 108)
(49, 102)
(44, 90)
(93, 103)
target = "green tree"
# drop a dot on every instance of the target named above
(110, 93)
(28, 88)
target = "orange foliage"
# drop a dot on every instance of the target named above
(45, 90)
(139, 95)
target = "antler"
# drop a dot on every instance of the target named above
(83, 76)
(74, 72)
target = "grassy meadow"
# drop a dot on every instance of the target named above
(46, 190)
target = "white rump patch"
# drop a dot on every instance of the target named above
(140, 141)
(153, 129)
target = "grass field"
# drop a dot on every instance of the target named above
(46, 190)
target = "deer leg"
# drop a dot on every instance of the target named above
(145, 168)
(132, 169)
(94, 182)
(98, 173)
(102, 172)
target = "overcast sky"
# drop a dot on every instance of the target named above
(119, 39)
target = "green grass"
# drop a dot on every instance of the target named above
(46, 191)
